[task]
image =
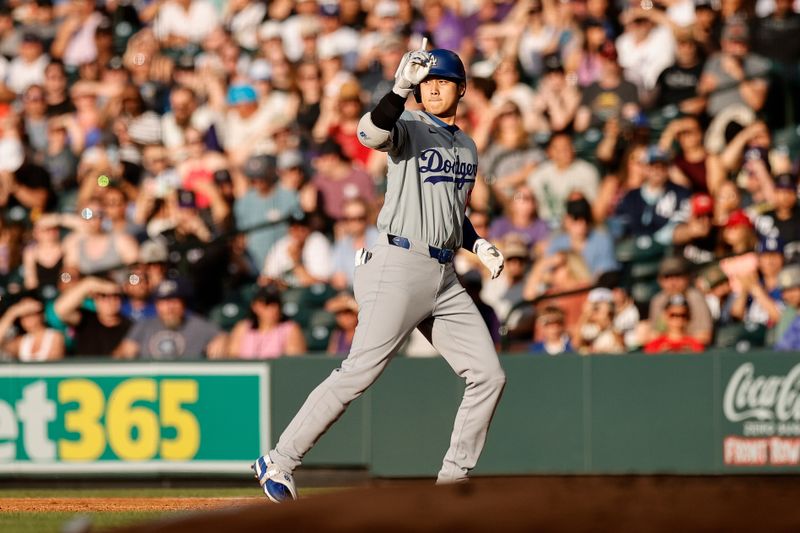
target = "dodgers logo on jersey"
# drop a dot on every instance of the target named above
(438, 168)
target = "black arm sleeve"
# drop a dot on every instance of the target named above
(470, 236)
(388, 111)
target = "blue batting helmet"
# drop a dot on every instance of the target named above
(447, 65)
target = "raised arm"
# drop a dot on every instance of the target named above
(66, 306)
(375, 127)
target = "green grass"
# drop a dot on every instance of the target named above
(53, 522)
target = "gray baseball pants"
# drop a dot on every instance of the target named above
(397, 290)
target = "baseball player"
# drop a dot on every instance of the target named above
(407, 280)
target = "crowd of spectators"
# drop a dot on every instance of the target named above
(182, 178)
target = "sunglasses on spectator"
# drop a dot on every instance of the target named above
(359, 218)
(107, 295)
(678, 315)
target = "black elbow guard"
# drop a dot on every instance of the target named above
(388, 111)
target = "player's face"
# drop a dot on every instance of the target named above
(440, 97)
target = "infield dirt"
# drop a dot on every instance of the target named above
(621, 503)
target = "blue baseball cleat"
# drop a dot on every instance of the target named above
(278, 484)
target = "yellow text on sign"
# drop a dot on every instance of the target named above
(132, 430)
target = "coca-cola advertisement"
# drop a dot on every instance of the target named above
(761, 409)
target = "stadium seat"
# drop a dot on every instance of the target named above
(318, 331)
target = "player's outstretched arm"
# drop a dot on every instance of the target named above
(487, 252)
(375, 128)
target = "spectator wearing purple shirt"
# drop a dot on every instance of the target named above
(520, 219)
(445, 27)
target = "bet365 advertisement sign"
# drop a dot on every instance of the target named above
(761, 409)
(136, 418)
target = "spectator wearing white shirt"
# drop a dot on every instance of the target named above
(180, 22)
(333, 36)
(300, 259)
(74, 43)
(28, 67)
(646, 47)
(553, 181)
(184, 114)
(242, 18)
(305, 19)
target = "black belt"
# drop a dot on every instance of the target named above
(443, 255)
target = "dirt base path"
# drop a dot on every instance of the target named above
(90, 505)
(624, 503)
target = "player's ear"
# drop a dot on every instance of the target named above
(462, 88)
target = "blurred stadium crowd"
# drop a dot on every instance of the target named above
(182, 179)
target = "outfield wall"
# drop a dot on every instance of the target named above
(692, 414)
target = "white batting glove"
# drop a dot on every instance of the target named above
(413, 68)
(490, 256)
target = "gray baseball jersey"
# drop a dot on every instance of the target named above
(429, 179)
(400, 287)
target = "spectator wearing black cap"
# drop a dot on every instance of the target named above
(657, 207)
(266, 334)
(706, 25)
(338, 180)
(582, 236)
(674, 276)
(300, 259)
(263, 204)
(556, 100)
(586, 62)
(175, 333)
(784, 220)
(677, 337)
(735, 75)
